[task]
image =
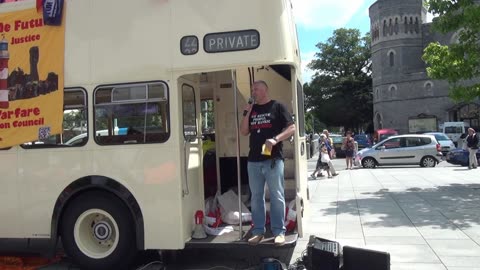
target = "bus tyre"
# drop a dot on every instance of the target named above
(97, 232)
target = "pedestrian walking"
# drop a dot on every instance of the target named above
(324, 144)
(472, 145)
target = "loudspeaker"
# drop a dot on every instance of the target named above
(362, 259)
(322, 254)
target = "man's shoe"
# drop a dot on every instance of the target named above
(334, 174)
(254, 240)
(279, 240)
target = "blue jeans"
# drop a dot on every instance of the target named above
(259, 173)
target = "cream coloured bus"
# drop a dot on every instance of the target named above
(138, 71)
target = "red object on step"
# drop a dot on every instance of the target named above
(199, 217)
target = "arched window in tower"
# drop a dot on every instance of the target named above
(391, 58)
(428, 88)
(378, 121)
(390, 27)
(376, 95)
(417, 25)
(384, 28)
(392, 91)
(396, 26)
(406, 25)
(411, 25)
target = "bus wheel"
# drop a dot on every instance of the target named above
(97, 231)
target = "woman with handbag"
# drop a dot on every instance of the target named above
(348, 146)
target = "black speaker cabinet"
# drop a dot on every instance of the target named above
(363, 259)
(322, 254)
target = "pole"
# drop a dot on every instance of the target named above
(237, 130)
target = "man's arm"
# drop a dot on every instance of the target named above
(285, 134)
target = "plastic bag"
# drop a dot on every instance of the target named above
(213, 217)
(228, 202)
(291, 217)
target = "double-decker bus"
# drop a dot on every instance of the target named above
(128, 173)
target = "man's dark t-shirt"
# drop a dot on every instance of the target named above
(472, 141)
(265, 122)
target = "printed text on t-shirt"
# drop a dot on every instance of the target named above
(261, 121)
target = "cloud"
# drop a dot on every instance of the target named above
(307, 73)
(325, 13)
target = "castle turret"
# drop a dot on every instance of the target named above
(397, 48)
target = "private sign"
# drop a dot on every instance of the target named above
(231, 41)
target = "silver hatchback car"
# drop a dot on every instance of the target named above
(423, 150)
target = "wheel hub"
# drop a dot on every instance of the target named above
(102, 230)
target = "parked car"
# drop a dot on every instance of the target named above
(445, 142)
(423, 150)
(460, 156)
(382, 134)
(363, 141)
(337, 144)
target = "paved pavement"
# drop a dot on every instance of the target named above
(427, 218)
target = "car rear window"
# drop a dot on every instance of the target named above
(453, 130)
(337, 139)
(386, 135)
(360, 138)
(441, 137)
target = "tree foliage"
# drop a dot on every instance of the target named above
(458, 63)
(340, 93)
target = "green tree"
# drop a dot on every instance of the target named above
(458, 63)
(340, 93)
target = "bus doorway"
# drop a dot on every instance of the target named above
(223, 96)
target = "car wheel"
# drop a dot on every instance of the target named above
(369, 163)
(97, 232)
(428, 161)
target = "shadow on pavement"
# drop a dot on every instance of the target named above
(448, 207)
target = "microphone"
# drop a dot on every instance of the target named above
(250, 101)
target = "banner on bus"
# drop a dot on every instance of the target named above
(31, 77)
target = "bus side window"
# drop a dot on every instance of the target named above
(74, 132)
(131, 114)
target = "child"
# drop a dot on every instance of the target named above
(325, 158)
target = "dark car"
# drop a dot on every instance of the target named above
(337, 144)
(460, 157)
(363, 141)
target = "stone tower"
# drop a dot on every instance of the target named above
(397, 48)
(404, 97)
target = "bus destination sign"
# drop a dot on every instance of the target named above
(231, 41)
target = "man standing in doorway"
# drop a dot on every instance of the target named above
(472, 145)
(269, 123)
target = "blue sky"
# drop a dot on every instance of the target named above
(317, 19)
